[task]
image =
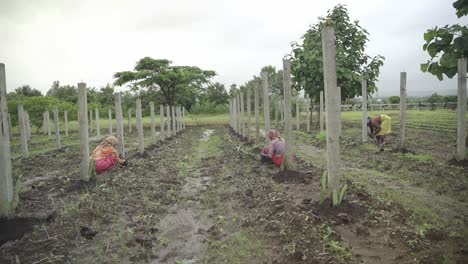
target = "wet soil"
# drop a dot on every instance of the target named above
(197, 198)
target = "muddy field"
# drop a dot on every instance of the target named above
(200, 198)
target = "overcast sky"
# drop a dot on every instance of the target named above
(89, 40)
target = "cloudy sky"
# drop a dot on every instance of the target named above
(89, 40)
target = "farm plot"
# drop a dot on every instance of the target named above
(197, 199)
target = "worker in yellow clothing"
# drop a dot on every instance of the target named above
(380, 126)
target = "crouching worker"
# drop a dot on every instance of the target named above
(105, 156)
(380, 126)
(275, 151)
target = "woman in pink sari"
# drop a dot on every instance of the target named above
(275, 151)
(105, 156)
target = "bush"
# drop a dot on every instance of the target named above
(209, 108)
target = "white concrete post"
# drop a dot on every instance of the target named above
(65, 117)
(332, 108)
(276, 106)
(321, 112)
(287, 112)
(98, 125)
(161, 121)
(119, 123)
(183, 117)
(257, 117)
(308, 112)
(282, 110)
(234, 109)
(57, 128)
(6, 178)
(83, 126)
(23, 132)
(230, 112)
(129, 120)
(9, 125)
(110, 121)
(461, 109)
(266, 104)
(139, 119)
(28, 126)
(249, 124)
(153, 122)
(168, 116)
(364, 109)
(297, 114)
(242, 114)
(403, 110)
(238, 115)
(49, 131)
(44, 123)
(90, 121)
(174, 129)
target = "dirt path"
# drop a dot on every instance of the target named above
(197, 199)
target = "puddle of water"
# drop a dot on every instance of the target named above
(185, 233)
(194, 186)
(206, 135)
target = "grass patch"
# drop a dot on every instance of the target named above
(322, 136)
(241, 247)
(417, 157)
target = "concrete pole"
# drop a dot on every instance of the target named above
(44, 123)
(242, 114)
(276, 106)
(364, 110)
(129, 120)
(65, 117)
(153, 122)
(83, 125)
(57, 128)
(234, 113)
(110, 121)
(230, 112)
(339, 106)
(297, 114)
(6, 178)
(9, 125)
(161, 121)
(239, 125)
(168, 116)
(266, 104)
(139, 119)
(461, 109)
(90, 121)
(183, 117)
(249, 124)
(28, 126)
(257, 117)
(98, 125)
(174, 131)
(179, 125)
(23, 132)
(332, 108)
(403, 110)
(287, 112)
(49, 131)
(119, 123)
(321, 112)
(282, 110)
(308, 112)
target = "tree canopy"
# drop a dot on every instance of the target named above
(446, 45)
(351, 60)
(176, 83)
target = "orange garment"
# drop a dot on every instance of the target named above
(104, 151)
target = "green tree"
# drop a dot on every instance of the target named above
(175, 82)
(351, 61)
(67, 93)
(26, 90)
(446, 45)
(394, 99)
(275, 79)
